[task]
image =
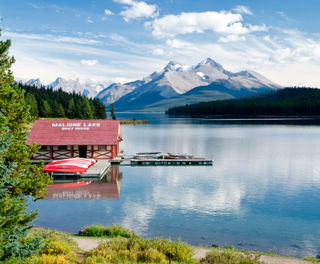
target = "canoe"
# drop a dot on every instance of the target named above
(77, 160)
(66, 168)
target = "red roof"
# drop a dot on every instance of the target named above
(75, 132)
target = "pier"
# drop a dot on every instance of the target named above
(171, 162)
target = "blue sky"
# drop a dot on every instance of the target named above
(122, 40)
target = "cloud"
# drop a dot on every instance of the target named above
(232, 38)
(108, 12)
(186, 23)
(157, 51)
(89, 20)
(177, 43)
(50, 38)
(242, 10)
(89, 62)
(136, 10)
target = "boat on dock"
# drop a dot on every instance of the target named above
(74, 165)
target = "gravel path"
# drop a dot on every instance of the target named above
(91, 243)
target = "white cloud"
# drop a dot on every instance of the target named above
(242, 10)
(108, 12)
(186, 23)
(158, 51)
(136, 10)
(232, 38)
(177, 43)
(89, 62)
(50, 38)
(89, 20)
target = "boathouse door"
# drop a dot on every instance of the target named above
(82, 151)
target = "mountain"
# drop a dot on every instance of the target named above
(35, 82)
(178, 84)
(88, 88)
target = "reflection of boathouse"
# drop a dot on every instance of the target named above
(60, 139)
(107, 188)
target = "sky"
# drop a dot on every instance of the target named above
(124, 40)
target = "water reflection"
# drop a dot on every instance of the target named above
(87, 189)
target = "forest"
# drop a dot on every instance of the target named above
(46, 102)
(283, 102)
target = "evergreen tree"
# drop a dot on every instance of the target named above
(60, 111)
(19, 179)
(87, 112)
(113, 115)
(100, 109)
(71, 109)
(45, 109)
(33, 104)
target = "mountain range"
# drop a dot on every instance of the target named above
(175, 85)
(87, 88)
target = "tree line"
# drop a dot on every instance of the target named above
(284, 102)
(46, 102)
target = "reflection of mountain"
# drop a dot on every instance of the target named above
(107, 188)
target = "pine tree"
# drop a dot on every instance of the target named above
(87, 112)
(100, 109)
(31, 101)
(113, 114)
(45, 109)
(71, 109)
(19, 179)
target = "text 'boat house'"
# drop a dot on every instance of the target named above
(62, 139)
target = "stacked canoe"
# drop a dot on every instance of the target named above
(73, 165)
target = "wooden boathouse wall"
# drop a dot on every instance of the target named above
(61, 139)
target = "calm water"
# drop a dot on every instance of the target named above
(262, 193)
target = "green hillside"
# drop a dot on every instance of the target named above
(284, 102)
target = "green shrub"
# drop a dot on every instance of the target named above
(139, 250)
(230, 258)
(109, 231)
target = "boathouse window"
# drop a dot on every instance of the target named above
(43, 148)
(102, 147)
(62, 148)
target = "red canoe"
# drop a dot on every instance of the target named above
(64, 168)
(76, 160)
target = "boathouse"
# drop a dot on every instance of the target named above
(61, 139)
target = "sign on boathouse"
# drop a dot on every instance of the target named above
(61, 139)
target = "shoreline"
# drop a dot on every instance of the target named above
(87, 243)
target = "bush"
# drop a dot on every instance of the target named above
(110, 231)
(139, 250)
(230, 258)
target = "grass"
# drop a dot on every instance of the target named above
(109, 231)
(133, 121)
(230, 257)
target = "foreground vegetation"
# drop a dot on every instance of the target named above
(19, 178)
(284, 102)
(123, 246)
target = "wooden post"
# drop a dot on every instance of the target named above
(51, 152)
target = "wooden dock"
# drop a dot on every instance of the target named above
(98, 169)
(170, 162)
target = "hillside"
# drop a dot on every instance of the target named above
(46, 102)
(284, 102)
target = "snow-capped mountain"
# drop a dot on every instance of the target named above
(88, 88)
(35, 82)
(177, 79)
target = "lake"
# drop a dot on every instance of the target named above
(262, 192)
